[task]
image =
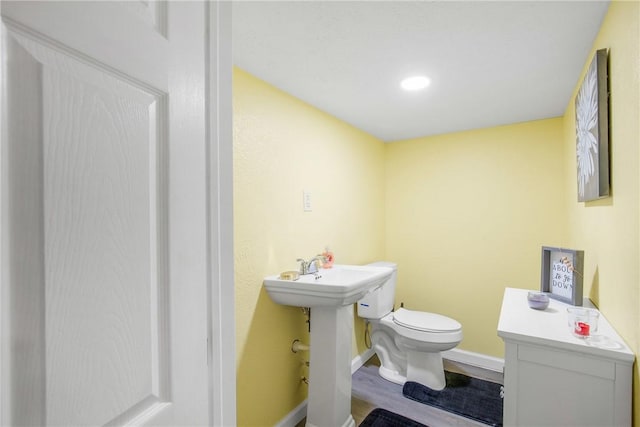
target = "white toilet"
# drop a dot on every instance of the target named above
(408, 343)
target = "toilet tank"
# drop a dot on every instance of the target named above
(379, 303)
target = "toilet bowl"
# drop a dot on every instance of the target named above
(408, 342)
(409, 345)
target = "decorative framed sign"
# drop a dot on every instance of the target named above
(561, 274)
(592, 131)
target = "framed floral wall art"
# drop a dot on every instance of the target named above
(592, 131)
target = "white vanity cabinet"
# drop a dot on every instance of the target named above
(553, 378)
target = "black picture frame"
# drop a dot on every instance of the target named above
(561, 276)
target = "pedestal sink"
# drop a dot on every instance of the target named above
(331, 299)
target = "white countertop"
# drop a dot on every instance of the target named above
(550, 328)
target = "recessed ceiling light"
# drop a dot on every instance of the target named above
(415, 83)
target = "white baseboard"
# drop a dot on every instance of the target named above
(361, 359)
(295, 416)
(475, 359)
(455, 355)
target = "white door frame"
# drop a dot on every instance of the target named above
(222, 343)
(3, 227)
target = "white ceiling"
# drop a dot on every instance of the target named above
(490, 62)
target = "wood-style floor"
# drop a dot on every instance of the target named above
(369, 391)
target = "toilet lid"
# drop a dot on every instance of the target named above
(424, 321)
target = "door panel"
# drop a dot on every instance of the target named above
(92, 266)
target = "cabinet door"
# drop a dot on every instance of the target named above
(550, 387)
(103, 179)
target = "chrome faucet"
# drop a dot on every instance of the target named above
(311, 266)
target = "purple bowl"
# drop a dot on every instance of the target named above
(538, 300)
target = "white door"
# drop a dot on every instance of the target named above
(103, 232)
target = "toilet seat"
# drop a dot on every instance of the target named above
(425, 322)
(421, 330)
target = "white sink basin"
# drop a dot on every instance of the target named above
(338, 286)
(331, 320)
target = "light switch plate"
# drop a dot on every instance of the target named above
(306, 200)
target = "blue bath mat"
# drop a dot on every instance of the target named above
(466, 396)
(382, 418)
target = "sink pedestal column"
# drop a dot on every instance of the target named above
(329, 400)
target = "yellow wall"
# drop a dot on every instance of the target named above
(608, 229)
(283, 146)
(467, 214)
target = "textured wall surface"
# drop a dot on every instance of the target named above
(467, 214)
(282, 147)
(608, 230)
